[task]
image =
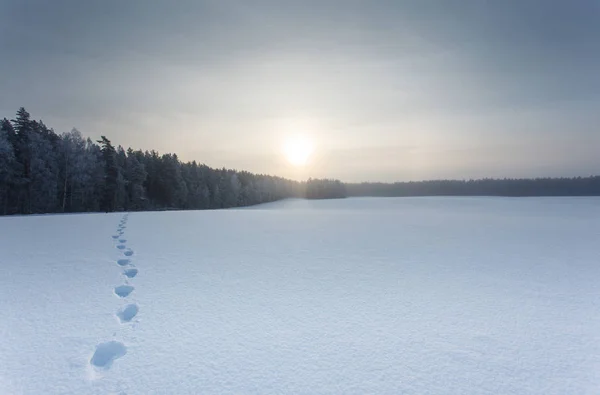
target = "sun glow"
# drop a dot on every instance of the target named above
(298, 150)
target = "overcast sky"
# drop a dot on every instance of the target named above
(388, 90)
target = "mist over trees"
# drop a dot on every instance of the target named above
(43, 172)
(325, 189)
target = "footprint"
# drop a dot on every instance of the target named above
(123, 290)
(127, 313)
(115, 236)
(106, 353)
(130, 273)
(123, 262)
(122, 241)
(128, 253)
(121, 246)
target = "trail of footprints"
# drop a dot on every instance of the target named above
(109, 351)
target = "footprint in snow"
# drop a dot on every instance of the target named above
(123, 262)
(122, 241)
(130, 273)
(127, 313)
(115, 236)
(128, 253)
(123, 290)
(106, 353)
(121, 246)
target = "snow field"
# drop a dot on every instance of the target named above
(386, 296)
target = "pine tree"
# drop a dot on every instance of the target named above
(43, 168)
(7, 165)
(122, 196)
(136, 176)
(111, 174)
(22, 127)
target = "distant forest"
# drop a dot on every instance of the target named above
(44, 172)
(577, 186)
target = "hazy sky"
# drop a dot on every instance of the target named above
(388, 90)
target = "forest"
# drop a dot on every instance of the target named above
(576, 186)
(45, 172)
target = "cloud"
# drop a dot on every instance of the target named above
(372, 75)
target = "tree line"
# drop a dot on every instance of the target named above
(576, 186)
(44, 172)
(325, 189)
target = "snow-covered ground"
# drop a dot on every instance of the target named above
(357, 296)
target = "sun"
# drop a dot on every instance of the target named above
(298, 150)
